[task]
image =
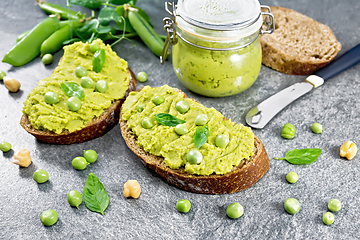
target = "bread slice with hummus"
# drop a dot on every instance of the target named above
(223, 169)
(99, 111)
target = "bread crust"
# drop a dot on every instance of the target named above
(243, 176)
(98, 127)
(299, 45)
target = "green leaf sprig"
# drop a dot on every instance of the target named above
(73, 89)
(201, 135)
(301, 156)
(99, 60)
(168, 119)
(95, 196)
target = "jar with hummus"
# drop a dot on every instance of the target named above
(216, 49)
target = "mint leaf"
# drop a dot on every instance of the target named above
(95, 196)
(73, 89)
(168, 119)
(302, 156)
(201, 135)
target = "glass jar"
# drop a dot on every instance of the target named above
(216, 48)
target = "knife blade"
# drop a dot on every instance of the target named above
(261, 114)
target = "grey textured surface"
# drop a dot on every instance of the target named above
(153, 216)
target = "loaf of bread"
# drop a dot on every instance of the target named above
(299, 45)
(240, 177)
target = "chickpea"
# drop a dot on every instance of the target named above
(132, 189)
(348, 150)
(11, 84)
(22, 158)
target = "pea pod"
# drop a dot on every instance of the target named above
(55, 41)
(64, 13)
(22, 35)
(29, 47)
(147, 34)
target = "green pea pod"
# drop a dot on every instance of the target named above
(65, 13)
(22, 35)
(29, 47)
(147, 34)
(56, 40)
(99, 60)
(74, 24)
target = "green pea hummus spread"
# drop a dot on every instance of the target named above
(163, 141)
(58, 117)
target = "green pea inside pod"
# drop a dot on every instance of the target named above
(49, 217)
(51, 98)
(147, 123)
(201, 119)
(81, 71)
(101, 86)
(86, 82)
(288, 131)
(182, 106)
(221, 140)
(235, 210)
(194, 156)
(181, 129)
(74, 104)
(74, 198)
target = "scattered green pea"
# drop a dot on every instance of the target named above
(194, 156)
(288, 131)
(201, 119)
(90, 156)
(5, 146)
(2, 74)
(183, 205)
(86, 82)
(181, 129)
(51, 98)
(292, 177)
(79, 163)
(140, 107)
(147, 123)
(74, 198)
(74, 104)
(292, 205)
(94, 46)
(101, 86)
(47, 59)
(158, 100)
(80, 71)
(40, 176)
(221, 140)
(142, 77)
(334, 205)
(328, 218)
(49, 217)
(317, 128)
(235, 210)
(182, 106)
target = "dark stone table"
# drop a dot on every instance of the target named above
(335, 105)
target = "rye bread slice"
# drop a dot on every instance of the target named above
(243, 176)
(299, 45)
(98, 127)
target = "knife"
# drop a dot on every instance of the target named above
(260, 115)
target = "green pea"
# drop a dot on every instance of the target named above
(80, 71)
(235, 210)
(87, 82)
(90, 156)
(194, 156)
(182, 106)
(334, 205)
(40, 176)
(142, 77)
(317, 128)
(292, 177)
(328, 218)
(49, 217)
(158, 100)
(140, 107)
(292, 205)
(288, 131)
(147, 123)
(74, 104)
(51, 98)
(94, 46)
(221, 140)
(2, 75)
(101, 86)
(47, 59)
(5, 146)
(201, 119)
(79, 163)
(183, 205)
(74, 198)
(181, 129)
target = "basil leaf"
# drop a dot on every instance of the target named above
(72, 89)
(168, 119)
(99, 60)
(301, 156)
(201, 135)
(88, 3)
(108, 14)
(95, 196)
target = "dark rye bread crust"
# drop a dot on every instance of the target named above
(243, 176)
(98, 127)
